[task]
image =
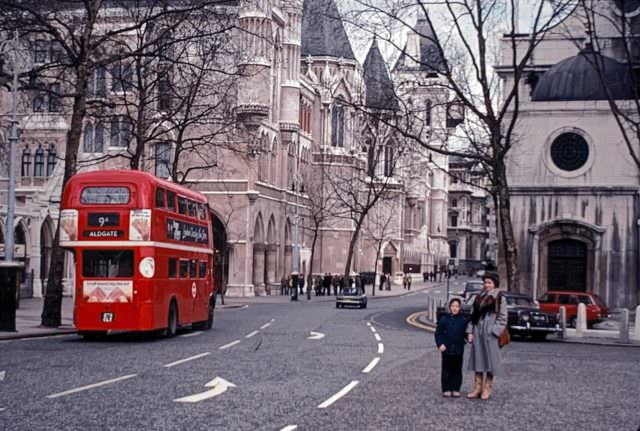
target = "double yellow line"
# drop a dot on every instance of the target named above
(413, 321)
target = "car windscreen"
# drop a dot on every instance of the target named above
(518, 301)
(599, 301)
(107, 263)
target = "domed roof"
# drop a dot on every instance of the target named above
(576, 78)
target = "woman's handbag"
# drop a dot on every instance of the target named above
(505, 337)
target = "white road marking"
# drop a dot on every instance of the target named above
(368, 323)
(266, 325)
(315, 335)
(290, 428)
(373, 329)
(251, 334)
(192, 334)
(380, 348)
(231, 344)
(377, 337)
(94, 385)
(437, 291)
(371, 365)
(182, 361)
(219, 386)
(2, 375)
(2, 409)
(45, 338)
(344, 391)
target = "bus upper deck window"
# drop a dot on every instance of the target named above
(182, 205)
(160, 201)
(202, 212)
(192, 209)
(171, 201)
(104, 196)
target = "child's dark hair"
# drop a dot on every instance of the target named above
(455, 300)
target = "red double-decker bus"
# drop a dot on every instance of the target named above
(143, 251)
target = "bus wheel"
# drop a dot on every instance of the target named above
(172, 321)
(92, 335)
(207, 324)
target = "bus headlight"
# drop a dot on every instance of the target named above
(147, 267)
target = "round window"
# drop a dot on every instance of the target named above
(569, 151)
(628, 7)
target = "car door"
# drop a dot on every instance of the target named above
(549, 303)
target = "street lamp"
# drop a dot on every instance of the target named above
(295, 267)
(9, 268)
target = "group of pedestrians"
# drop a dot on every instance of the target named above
(321, 285)
(482, 331)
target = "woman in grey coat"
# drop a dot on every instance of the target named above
(483, 332)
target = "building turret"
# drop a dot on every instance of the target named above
(380, 92)
(290, 106)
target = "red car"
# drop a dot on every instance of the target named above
(596, 308)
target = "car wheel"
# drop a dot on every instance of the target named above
(207, 324)
(539, 337)
(365, 305)
(172, 321)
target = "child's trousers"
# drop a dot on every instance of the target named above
(451, 372)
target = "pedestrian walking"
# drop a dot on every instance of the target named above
(283, 285)
(383, 279)
(408, 281)
(388, 281)
(450, 338)
(404, 282)
(488, 321)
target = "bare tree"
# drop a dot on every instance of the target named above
(85, 47)
(466, 81)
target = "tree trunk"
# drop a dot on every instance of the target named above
(509, 248)
(375, 266)
(313, 249)
(51, 312)
(352, 245)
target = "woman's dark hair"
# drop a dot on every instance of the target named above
(455, 300)
(491, 275)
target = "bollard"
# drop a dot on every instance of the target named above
(636, 333)
(563, 322)
(624, 326)
(581, 321)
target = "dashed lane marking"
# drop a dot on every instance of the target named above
(373, 329)
(2, 375)
(251, 334)
(193, 334)
(266, 325)
(94, 385)
(2, 409)
(231, 344)
(289, 428)
(377, 337)
(380, 348)
(190, 358)
(371, 365)
(344, 391)
(368, 323)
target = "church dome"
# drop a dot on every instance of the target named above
(576, 78)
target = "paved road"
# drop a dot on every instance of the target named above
(366, 370)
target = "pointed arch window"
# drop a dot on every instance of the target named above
(26, 162)
(93, 138)
(428, 107)
(337, 124)
(163, 159)
(38, 165)
(388, 160)
(51, 159)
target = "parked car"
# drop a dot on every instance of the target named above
(368, 277)
(596, 308)
(352, 297)
(525, 318)
(398, 277)
(472, 287)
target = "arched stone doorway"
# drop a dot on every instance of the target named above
(288, 249)
(389, 259)
(271, 256)
(258, 256)
(567, 266)
(46, 243)
(20, 255)
(220, 254)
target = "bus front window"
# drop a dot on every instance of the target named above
(107, 263)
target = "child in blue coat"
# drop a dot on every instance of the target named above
(450, 338)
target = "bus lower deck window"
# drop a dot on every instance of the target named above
(202, 273)
(184, 268)
(192, 268)
(107, 263)
(173, 267)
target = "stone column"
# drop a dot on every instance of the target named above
(288, 251)
(272, 249)
(258, 268)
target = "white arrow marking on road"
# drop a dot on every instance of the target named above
(95, 385)
(290, 428)
(2, 374)
(219, 386)
(315, 335)
(380, 348)
(371, 365)
(344, 391)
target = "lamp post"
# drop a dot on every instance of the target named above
(295, 267)
(9, 268)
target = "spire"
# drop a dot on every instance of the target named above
(380, 92)
(323, 33)
(423, 50)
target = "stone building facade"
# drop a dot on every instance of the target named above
(297, 105)
(574, 187)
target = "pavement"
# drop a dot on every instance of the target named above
(28, 315)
